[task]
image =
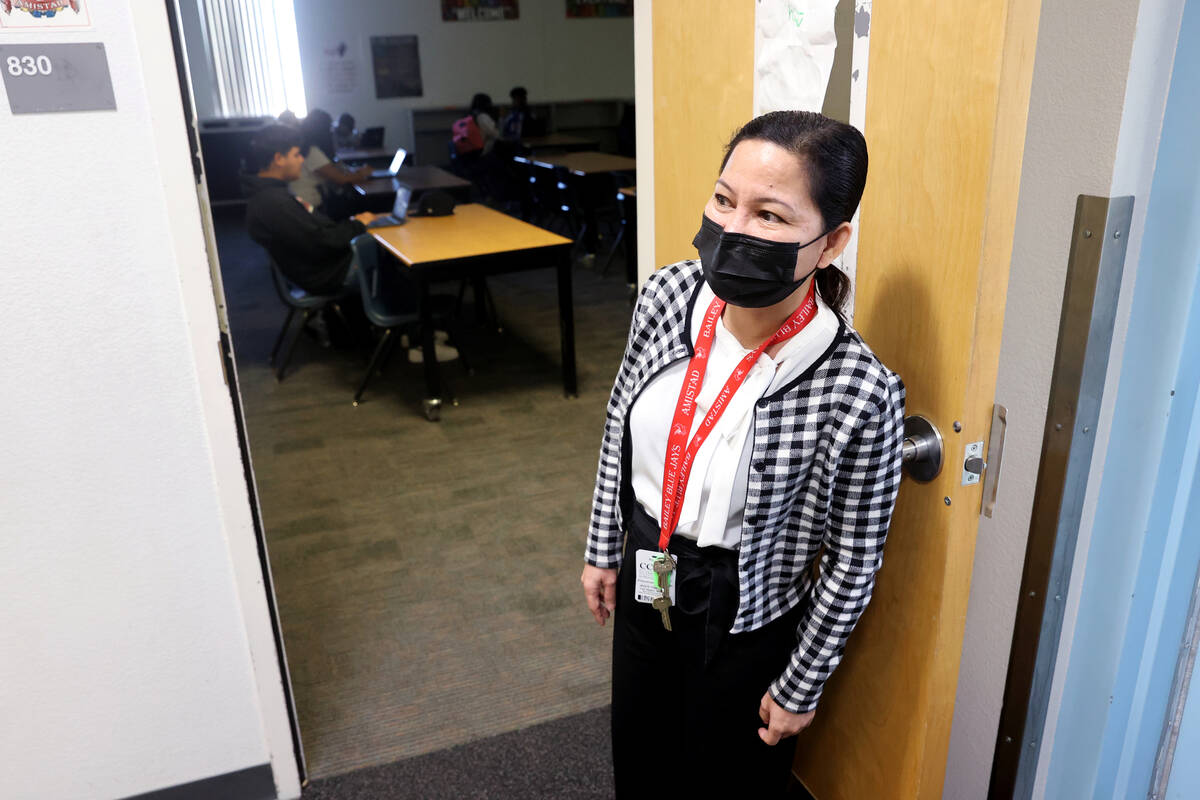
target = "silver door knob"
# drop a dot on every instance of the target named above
(922, 449)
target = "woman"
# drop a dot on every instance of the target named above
(321, 181)
(750, 430)
(484, 113)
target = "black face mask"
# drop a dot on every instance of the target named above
(745, 270)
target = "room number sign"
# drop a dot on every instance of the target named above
(45, 78)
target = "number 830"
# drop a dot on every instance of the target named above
(28, 65)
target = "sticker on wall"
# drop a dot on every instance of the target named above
(479, 10)
(339, 69)
(599, 8)
(397, 66)
(41, 15)
(794, 46)
(794, 43)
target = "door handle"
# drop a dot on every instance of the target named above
(922, 460)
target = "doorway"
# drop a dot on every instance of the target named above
(426, 574)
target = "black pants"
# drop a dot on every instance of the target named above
(685, 702)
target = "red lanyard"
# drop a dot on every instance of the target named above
(680, 453)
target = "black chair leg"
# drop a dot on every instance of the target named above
(383, 348)
(462, 291)
(287, 323)
(456, 341)
(355, 331)
(612, 251)
(287, 353)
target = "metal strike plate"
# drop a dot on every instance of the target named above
(973, 464)
(995, 454)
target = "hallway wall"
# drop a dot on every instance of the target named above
(128, 648)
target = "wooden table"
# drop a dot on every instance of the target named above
(472, 242)
(420, 179)
(366, 154)
(558, 141)
(591, 173)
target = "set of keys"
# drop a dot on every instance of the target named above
(663, 567)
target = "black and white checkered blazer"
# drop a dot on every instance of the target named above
(824, 472)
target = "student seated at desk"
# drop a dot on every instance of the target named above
(320, 180)
(311, 250)
(345, 135)
(475, 134)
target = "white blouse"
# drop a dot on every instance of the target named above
(307, 186)
(716, 491)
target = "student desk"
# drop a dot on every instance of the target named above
(421, 179)
(366, 154)
(477, 241)
(590, 162)
(558, 141)
(591, 172)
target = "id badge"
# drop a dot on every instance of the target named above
(646, 588)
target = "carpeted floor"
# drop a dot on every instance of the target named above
(427, 574)
(567, 759)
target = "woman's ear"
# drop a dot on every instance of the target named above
(835, 243)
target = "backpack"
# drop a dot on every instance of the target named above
(466, 135)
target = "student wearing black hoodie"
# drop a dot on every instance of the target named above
(312, 250)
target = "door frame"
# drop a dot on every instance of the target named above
(1140, 567)
(178, 158)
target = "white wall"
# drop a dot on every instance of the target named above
(132, 641)
(1081, 121)
(555, 58)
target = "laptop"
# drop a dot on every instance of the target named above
(372, 137)
(399, 209)
(394, 167)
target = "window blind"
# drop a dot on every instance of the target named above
(255, 57)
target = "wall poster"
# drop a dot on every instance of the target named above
(41, 15)
(397, 66)
(339, 70)
(599, 8)
(479, 10)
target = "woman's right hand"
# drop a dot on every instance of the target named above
(600, 590)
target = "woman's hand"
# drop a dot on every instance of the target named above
(600, 590)
(780, 722)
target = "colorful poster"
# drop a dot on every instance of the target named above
(479, 10)
(599, 8)
(41, 15)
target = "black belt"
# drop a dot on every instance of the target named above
(706, 583)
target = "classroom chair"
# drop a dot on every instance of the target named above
(392, 303)
(296, 299)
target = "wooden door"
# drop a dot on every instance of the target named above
(947, 95)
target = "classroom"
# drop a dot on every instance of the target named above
(357, 389)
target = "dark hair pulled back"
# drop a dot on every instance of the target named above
(317, 131)
(835, 159)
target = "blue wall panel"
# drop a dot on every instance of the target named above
(1141, 554)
